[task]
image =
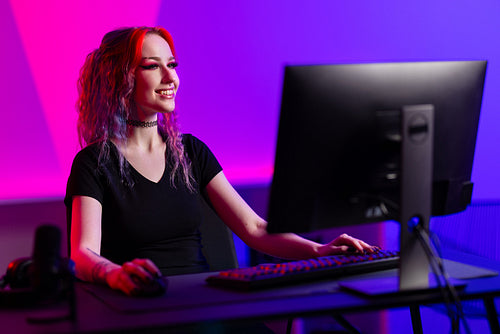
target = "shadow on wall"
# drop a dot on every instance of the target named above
(18, 222)
(474, 231)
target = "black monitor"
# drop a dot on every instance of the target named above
(375, 142)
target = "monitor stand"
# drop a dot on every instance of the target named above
(417, 138)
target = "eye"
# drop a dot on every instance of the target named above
(172, 65)
(150, 67)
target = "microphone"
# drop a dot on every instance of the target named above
(46, 260)
(51, 275)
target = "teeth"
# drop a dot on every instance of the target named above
(167, 92)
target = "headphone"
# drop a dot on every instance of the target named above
(44, 277)
(17, 274)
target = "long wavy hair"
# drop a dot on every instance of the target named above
(106, 86)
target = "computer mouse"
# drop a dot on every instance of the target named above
(156, 287)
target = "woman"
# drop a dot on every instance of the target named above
(134, 190)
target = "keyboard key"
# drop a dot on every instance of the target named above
(335, 266)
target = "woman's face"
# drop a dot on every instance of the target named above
(156, 80)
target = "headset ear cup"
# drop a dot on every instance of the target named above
(18, 275)
(17, 290)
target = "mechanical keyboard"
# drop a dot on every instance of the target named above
(276, 274)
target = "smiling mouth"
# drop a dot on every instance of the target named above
(165, 92)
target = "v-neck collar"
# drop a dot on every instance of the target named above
(132, 168)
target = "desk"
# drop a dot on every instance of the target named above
(190, 302)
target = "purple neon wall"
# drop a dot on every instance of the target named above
(231, 56)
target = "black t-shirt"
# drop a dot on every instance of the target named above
(146, 220)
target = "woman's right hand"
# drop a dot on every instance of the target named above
(134, 277)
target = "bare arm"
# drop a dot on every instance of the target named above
(86, 247)
(251, 228)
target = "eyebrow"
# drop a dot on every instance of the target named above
(158, 58)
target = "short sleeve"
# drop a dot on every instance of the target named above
(203, 161)
(85, 178)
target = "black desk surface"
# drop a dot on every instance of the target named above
(189, 301)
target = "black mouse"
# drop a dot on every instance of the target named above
(156, 287)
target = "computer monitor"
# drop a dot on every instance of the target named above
(375, 142)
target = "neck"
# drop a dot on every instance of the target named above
(139, 140)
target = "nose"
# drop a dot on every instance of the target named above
(169, 75)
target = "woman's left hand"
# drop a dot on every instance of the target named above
(345, 244)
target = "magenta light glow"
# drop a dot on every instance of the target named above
(231, 56)
(50, 40)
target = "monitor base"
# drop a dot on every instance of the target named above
(387, 286)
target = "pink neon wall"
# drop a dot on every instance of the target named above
(231, 56)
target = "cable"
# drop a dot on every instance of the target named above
(448, 290)
(439, 271)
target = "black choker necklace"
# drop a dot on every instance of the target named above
(142, 124)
